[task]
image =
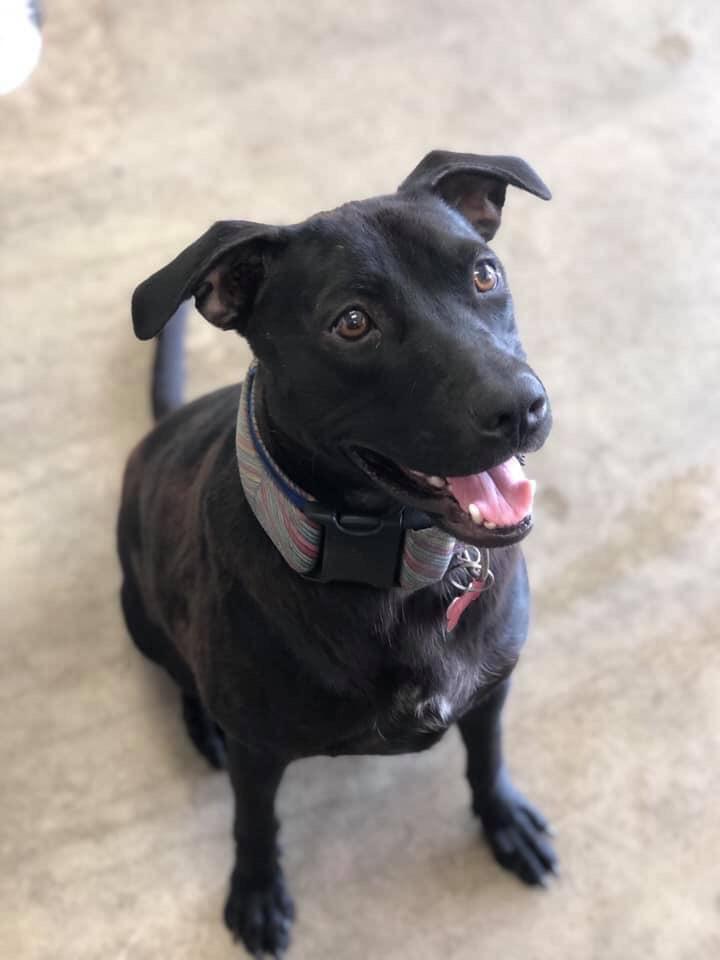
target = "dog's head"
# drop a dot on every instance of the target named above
(388, 353)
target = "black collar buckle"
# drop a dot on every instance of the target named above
(359, 548)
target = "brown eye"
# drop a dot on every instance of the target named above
(485, 277)
(352, 325)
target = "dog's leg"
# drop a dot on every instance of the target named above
(150, 639)
(207, 737)
(259, 910)
(516, 832)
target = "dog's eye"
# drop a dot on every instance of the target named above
(485, 277)
(352, 325)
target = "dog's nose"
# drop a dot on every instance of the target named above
(520, 414)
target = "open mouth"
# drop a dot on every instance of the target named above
(489, 508)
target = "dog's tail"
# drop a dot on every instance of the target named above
(168, 378)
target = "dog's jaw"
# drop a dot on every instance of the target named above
(490, 508)
(471, 508)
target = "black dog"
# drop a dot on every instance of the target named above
(302, 581)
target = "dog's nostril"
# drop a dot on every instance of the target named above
(536, 410)
(500, 423)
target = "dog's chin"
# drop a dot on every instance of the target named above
(450, 501)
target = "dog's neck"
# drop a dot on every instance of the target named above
(332, 481)
(318, 539)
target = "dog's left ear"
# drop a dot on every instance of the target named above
(473, 184)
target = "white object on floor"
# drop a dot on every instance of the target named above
(20, 43)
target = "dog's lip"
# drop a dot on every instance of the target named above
(432, 494)
(466, 531)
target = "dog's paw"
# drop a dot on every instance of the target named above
(261, 917)
(518, 834)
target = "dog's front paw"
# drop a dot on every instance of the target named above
(517, 834)
(260, 915)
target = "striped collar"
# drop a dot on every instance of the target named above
(315, 542)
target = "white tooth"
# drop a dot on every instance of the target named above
(489, 525)
(436, 481)
(475, 515)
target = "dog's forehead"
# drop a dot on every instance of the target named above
(391, 226)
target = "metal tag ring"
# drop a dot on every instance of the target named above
(476, 563)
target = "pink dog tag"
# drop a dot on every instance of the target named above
(460, 604)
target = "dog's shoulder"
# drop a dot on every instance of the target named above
(180, 448)
(189, 432)
(168, 478)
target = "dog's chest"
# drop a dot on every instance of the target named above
(427, 703)
(419, 680)
(413, 718)
(410, 705)
(413, 707)
(435, 703)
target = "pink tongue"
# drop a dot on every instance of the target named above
(503, 495)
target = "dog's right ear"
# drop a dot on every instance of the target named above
(223, 270)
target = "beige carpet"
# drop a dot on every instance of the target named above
(145, 122)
